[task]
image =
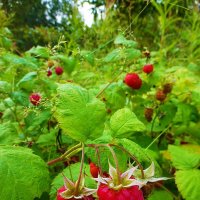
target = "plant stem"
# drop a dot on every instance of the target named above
(98, 160)
(116, 164)
(133, 157)
(157, 137)
(54, 161)
(109, 84)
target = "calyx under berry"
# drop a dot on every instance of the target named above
(71, 190)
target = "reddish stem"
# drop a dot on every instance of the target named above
(51, 162)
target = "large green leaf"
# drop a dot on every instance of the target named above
(124, 123)
(24, 175)
(79, 114)
(73, 170)
(160, 194)
(188, 159)
(188, 182)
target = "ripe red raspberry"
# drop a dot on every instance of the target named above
(160, 95)
(62, 189)
(94, 170)
(133, 81)
(49, 72)
(148, 113)
(131, 193)
(35, 99)
(167, 88)
(59, 70)
(148, 68)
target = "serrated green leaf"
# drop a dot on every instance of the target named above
(88, 56)
(79, 114)
(160, 194)
(136, 150)
(188, 183)
(75, 169)
(120, 39)
(20, 97)
(37, 120)
(69, 63)
(40, 51)
(5, 87)
(8, 134)
(113, 56)
(124, 123)
(188, 160)
(47, 139)
(27, 78)
(130, 54)
(24, 175)
(115, 97)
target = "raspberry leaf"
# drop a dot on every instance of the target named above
(120, 39)
(188, 182)
(124, 123)
(160, 194)
(79, 114)
(23, 174)
(188, 161)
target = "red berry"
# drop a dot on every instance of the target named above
(148, 113)
(148, 68)
(59, 70)
(167, 88)
(35, 99)
(131, 193)
(94, 170)
(63, 188)
(133, 81)
(160, 95)
(49, 72)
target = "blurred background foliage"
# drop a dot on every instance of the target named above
(168, 26)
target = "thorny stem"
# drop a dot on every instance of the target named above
(81, 172)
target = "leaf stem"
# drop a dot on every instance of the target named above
(157, 137)
(133, 157)
(101, 91)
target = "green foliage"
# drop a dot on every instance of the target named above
(73, 170)
(188, 183)
(188, 161)
(124, 123)
(23, 174)
(80, 114)
(160, 194)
